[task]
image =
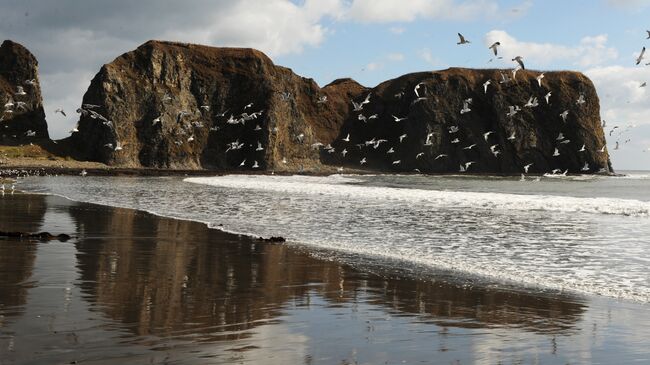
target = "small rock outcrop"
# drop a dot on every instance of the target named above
(183, 106)
(21, 104)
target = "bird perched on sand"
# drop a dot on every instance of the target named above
(520, 61)
(462, 39)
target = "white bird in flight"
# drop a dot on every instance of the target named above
(485, 86)
(526, 167)
(520, 61)
(640, 58)
(494, 46)
(486, 135)
(397, 119)
(564, 114)
(462, 39)
(539, 79)
(401, 138)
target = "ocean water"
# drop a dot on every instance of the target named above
(585, 235)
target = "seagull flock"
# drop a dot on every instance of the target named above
(420, 93)
(17, 104)
(185, 131)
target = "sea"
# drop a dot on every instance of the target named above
(584, 235)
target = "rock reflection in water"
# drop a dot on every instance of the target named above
(150, 288)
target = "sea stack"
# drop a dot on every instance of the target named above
(21, 104)
(184, 106)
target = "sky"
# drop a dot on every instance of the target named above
(367, 40)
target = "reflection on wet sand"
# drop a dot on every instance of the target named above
(174, 278)
(17, 258)
(143, 283)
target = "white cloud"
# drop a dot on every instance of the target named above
(625, 104)
(628, 4)
(621, 97)
(395, 57)
(385, 11)
(590, 51)
(373, 66)
(397, 30)
(428, 57)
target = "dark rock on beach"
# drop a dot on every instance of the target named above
(22, 116)
(41, 236)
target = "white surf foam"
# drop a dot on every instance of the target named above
(343, 187)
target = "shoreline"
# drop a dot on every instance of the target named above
(17, 171)
(139, 282)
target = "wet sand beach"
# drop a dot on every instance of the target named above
(136, 288)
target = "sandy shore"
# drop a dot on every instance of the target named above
(135, 288)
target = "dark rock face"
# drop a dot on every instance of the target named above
(172, 105)
(434, 125)
(197, 93)
(21, 104)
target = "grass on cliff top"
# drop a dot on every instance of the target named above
(32, 151)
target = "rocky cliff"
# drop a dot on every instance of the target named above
(21, 104)
(175, 105)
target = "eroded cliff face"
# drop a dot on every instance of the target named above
(173, 105)
(21, 104)
(446, 124)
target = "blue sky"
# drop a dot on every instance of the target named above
(368, 40)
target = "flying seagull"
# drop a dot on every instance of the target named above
(640, 58)
(564, 115)
(462, 39)
(486, 135)
(59, 110)
(485, 86)
(539, 79)
(399, 119)
(494, 46)
(520, 61)
(417, 87)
